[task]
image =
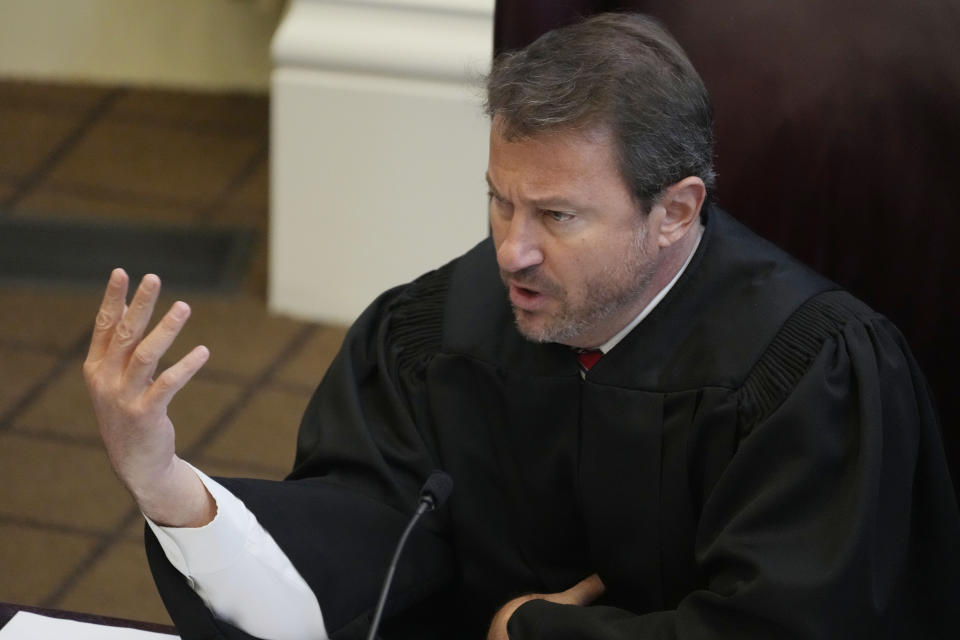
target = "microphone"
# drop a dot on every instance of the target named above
(436, 489)
(434, 493)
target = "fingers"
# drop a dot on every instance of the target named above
(122, 360)
(109, 314)
(146, 356)
(131, 326)
(173, 379)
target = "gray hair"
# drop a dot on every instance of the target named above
(619, 71)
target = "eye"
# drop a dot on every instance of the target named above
(558, 216)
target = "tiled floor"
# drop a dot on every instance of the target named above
(70, 537)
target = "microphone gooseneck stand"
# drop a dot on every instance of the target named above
(434, 493)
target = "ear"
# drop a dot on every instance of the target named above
(681, 204)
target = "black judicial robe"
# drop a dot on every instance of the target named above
(759, 458)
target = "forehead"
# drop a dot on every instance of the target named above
(567, 161)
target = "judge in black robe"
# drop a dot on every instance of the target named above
(758, 458)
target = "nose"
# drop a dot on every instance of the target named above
(519, 245)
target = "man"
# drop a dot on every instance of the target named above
(753, 455)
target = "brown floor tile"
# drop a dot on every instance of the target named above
(153, 162)
(235, 216)
(242, 337)
(26, 137)
(115, 203)
(35, 561)
(64, 202)
(120, 585)
(7, 187)
(197, 406)
(59, 483)
(19, 372)
(239, 469)
(255, 281)
(68, 98)
(133, 532)
(254, 191)
(249, 219)
(246, 203)
(64, 408)
(264, 435)
(235, 112)
(245, 207)
(311, 362)
(48, 317)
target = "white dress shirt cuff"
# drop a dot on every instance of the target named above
(240, 573)
(214, 546)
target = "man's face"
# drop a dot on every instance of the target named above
(574, 250)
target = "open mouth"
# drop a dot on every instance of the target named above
(526, 299)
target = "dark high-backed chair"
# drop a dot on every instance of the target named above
(838, 137)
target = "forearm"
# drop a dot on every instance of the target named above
(240, 572)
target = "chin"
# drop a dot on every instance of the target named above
(544, 330)
(530, 327)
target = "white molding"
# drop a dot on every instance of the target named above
(447, 41)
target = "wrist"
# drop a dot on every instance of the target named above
(175, 497)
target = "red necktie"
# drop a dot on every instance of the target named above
(588, 358)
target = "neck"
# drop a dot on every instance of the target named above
(672, 260)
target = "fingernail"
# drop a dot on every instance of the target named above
(150, 282)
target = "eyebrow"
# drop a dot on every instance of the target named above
(549, 202)
(486, 176)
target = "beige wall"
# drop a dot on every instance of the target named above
(208, 44)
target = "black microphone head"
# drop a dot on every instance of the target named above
(437, 488)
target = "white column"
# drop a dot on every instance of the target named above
(379, 147)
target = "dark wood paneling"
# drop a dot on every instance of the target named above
(838, 137)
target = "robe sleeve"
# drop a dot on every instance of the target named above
(362, 455)
(834, 517)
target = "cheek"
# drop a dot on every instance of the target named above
(582, 270)
(603, 260)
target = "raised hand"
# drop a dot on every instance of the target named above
(131, 404)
